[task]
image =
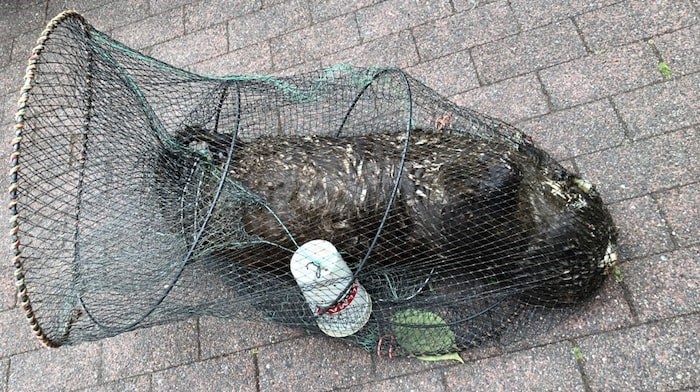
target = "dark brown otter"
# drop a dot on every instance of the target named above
(463, 208)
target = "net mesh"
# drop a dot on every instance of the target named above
(143, 194)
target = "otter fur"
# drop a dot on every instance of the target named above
(463, 207)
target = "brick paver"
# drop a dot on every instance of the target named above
(529, 51)
(629, 21)
(544, 368)
(681, 207)
(134, 384)
(202, 14)
(312, 364)
(219, 337)
(191, 48)
(326, 9)
(426, 381)
(402, 14)
(649, 165)
(650, 357)
(4, 370)
(534, 13)
(464, 30)
(441, 73)
(394, 49)
(15, 336)
(268, 22)
(152, 30)
(581, 77)
(642, 220)
(300, 45)
(576, 131)
(150, 349)
(661, 108)
(511, 100)
(116, 13)
(664, 285)
(680, 50)
(52, 370)
(227, 373)
(599, 75)
(7, 288)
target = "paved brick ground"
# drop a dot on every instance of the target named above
(580, 76)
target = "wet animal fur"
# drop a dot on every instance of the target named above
(464, 207)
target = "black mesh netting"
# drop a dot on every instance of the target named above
(142, 194)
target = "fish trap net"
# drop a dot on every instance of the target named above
(351, 202)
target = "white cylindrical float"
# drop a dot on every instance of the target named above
(323, 275)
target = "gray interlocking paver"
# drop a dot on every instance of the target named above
(681, 50)
(665, 285)
(601, 74)
(578, 130)
(386, 368)
(629, 21)
(15, 20)
(116, 13)
(637, 168)
(4, 371)
(448, 75)
(12, 78)
(8, 115)
(54, 370)
(662, 107)
(606, 311)
(134, 384)
(395, 15)
(267, 23)
(147, 350)
(15, 335)
(234, 372)
(192, 48)
(430, 381)
(309, 65)
(604, 108)
(312, 363)
(652, 357)
(152, 30)
(270, 3)
(534, 13)
(5, 50)
(529, 51)
(7, 288)
(681, 207)
(511, 100)
(56, 6)
(312, 42)
(158, 6)
(29, 4)
(327, 9)
(253, 59)
(464, 30)
(392, 50)
(643, 228)
(466, 5)
(23, 44)
(545, 368)
(218, 337)
(201, 14)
